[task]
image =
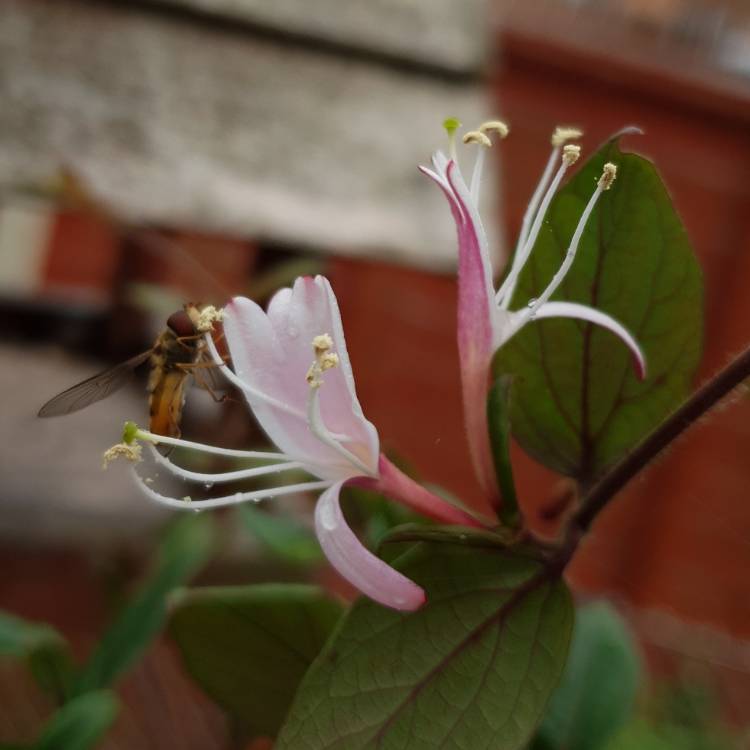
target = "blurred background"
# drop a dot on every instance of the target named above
(154, 152)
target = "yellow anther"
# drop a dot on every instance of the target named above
(325, 359)
(571, 153)
(204, 319)
(329, 360)
(563, 134)
(312, 377)
(130, 452)
(322, 344)
(608, 176)
(495, 126)
(475, 136)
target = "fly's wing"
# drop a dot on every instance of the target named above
(93, 389)
(207, 373)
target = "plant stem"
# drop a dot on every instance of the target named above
(706, 397)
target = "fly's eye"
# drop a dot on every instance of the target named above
(181, 324)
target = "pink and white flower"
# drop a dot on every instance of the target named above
(485, 320)
(292, 366)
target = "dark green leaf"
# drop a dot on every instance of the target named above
(185, 549)
(498, 418)
(42, 647)
(462, 535)
(645, 735)
(249, 646)
(473, 668)
(286, 539)
(374, 513)
(577, 405)
(597, 692)
(80, 724)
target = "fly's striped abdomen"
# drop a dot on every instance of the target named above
(167, 381)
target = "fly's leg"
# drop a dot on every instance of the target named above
(196, 370)
(188, 342)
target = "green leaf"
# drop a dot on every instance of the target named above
(249, 646)
(80, 724)
(645, 735)
(462, 535)
(577, 405)
(596, 696)
(376, 513)
(498, 418)
(43, 649)
(286, 539)
(473, 668)
(185, 549)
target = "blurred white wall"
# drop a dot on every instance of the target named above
(298, 121)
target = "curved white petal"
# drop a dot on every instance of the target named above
(357, 564)
(272, 353)
(583, 312)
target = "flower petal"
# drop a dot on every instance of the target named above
(583, 312)
(476, 304)
(273, 352)
(358, 565)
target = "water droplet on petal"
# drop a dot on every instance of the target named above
(292, 332)
(531, 302)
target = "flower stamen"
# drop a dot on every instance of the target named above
(243, 386)
(608, 176)
(325, 359)
(132, 433)
(563, 134)
(495, 126)
(128, 451)
(204, 319)
(237, 497)
(560, 136)
(570, 155)
(604, 183)
(226, 476)
(476, 136)
(481, 138)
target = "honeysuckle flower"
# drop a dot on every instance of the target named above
(485, 320)
(292, 365)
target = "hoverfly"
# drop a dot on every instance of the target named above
(177, 352)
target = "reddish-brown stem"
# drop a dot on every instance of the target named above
(704, 399)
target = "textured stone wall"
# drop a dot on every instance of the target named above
(301, 122)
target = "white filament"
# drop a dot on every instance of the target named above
(476, 177)
(318, 428)
(571, 253)
(150, 437)
(244, 387)
(505, 293)
(226, 476)
(236, 498)
(531, 209)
